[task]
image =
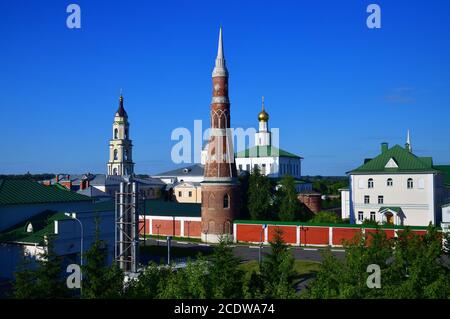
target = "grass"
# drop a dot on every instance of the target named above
(175, 251)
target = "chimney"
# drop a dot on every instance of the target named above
(384, 147)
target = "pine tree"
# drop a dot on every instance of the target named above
(99, 279)
(289, 205)
(277, 269)
(25, 280)
(259, 195)
(225, 273)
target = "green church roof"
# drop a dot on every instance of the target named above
(265, 151)
(155, 207)
(15, 192)
(405, 160)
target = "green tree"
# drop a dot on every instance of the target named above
(326, 217)
(277, 269)
(99, 279)
(289, 207)
(191, 282)
(411, 267)
(147, 284)
(259, 195)
(25, 280)
(225, 273)
(46, 280)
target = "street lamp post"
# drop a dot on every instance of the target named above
(74, 217)
(157, 231)
(168, 249)
(261, 243)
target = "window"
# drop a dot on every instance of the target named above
(390, 182)
(370, 183)
(115, 155)
(190, 193)
(360, 216)
(372, 216)
(180, 194)
(410, 183)
(126, 133)
(240, 167)
(380, 199)
(248, 167)
(116, 134)
(366, 199)
(226, 201)
(263, 169)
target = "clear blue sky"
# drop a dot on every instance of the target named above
(334, 88)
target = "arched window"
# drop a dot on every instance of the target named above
(410, 183)
(390, 182)
(125, 154)
(115, 171)
(370, 183)
(226, 201)
(116, 134)
(126, 133)
(115, 155)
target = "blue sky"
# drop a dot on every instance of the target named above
(334, 88)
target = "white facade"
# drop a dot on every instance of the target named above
(372, 192)
(273, 166)
(266, 157)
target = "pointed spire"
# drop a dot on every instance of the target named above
(220, 68)
(408, 142)
(220, 45)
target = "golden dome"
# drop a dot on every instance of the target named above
(263, 115)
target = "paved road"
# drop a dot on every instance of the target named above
(250, 252)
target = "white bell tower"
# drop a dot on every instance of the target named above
(120, 146)
(262, 138)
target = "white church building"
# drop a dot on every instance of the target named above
(271, 161)
(396, 187)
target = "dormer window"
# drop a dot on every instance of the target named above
(29, 228)
(391, 164)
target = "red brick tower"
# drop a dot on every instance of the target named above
(220, 189)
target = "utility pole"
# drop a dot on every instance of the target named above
(169, 238)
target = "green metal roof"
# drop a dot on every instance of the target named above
(265, 151)
(406, 162)
(445, 169)
(15, 192)
(175, 209)
(43, 225)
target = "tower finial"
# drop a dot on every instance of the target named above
(408, 142)
(263, 102)
(220, 68)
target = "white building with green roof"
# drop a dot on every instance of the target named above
(271, 161)
(396, 187)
